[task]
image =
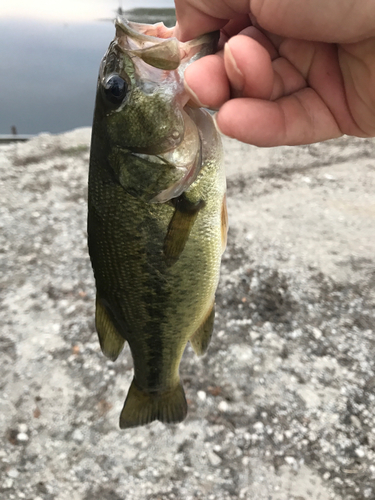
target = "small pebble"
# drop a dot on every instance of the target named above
(78, 436)
(13, 473)
(329, 177)
(22, 437)
(355, 421)
(317, 333)
(290, 460)
(223, 406)
(8, 483)
(213, 458)
(259, 427)
(360, 452)
(23, 428)
(202, 395)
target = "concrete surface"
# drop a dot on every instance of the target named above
(281, 407)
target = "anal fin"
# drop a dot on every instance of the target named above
(179, 227)
(224, 223)
(110, 340)
(141, 408)
(201, 338)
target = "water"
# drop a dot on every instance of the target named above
(48, 70)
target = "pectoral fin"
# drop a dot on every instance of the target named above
(201, 338)
(110, 340)
(141, 408)
(179, 227)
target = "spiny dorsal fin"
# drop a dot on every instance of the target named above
(110, 340)
(141, 408)
(179, 227)
(201, 338)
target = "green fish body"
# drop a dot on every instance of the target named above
(156, 215)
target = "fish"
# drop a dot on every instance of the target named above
(157, 216)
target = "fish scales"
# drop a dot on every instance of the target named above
(155, 229)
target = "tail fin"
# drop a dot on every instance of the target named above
(141, 408)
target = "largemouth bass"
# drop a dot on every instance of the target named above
(157, 220)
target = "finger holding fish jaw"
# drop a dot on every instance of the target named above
(233, 82)
(242, 69)
(245, 82)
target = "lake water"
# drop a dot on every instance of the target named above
(48, 70)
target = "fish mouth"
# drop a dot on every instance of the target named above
(156, 44)
(156, 47)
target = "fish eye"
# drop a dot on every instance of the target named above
(115, 89)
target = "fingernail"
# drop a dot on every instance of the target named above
(216, 124)
(236, 77)
(193, 96)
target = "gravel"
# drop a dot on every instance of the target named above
(281, 407)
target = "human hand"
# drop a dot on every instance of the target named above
(291, 72)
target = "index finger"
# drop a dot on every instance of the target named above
(199, 24)
(195, 18)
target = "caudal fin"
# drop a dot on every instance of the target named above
(141, 408)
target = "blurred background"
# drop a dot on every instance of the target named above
(50, 58)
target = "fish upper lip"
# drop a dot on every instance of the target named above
(154, 33)
(145, 32)
(156, 38)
